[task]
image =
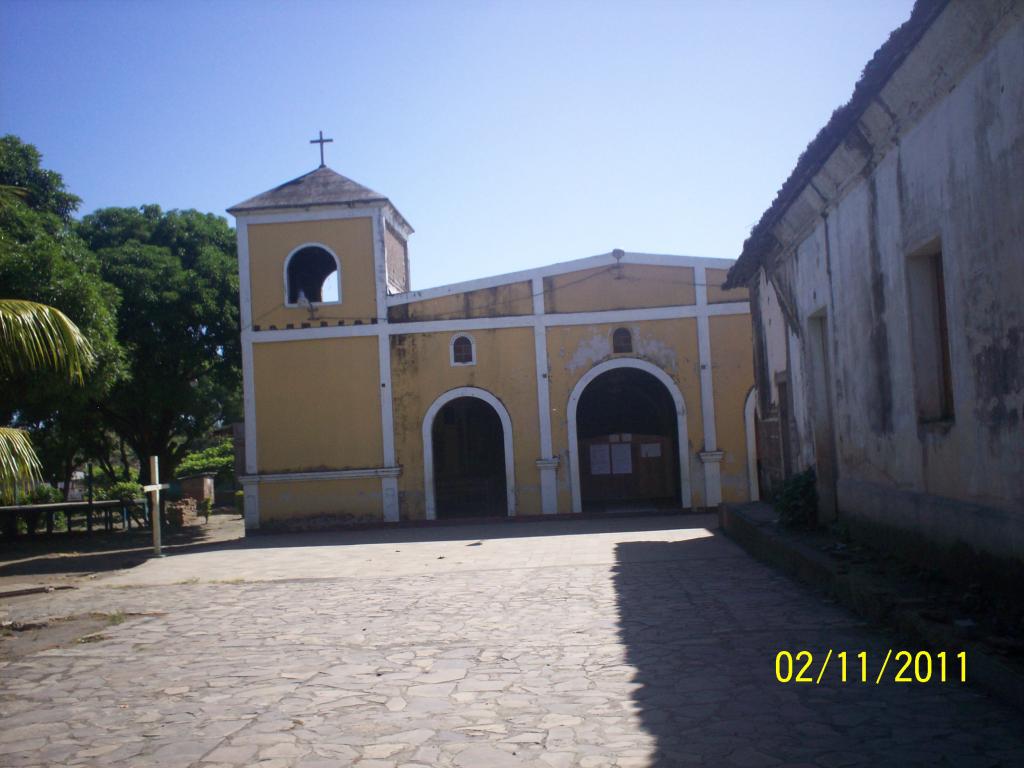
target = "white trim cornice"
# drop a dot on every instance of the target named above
(318, 213)
(328, 474)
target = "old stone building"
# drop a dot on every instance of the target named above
(887, 284)
(617, 381)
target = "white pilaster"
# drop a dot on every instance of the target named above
(547, 465)
(251, 494)
(388, 484)
(710, 456)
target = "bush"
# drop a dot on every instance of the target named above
(124, 490)
(797, 502)
(45, 494)
(217, 460)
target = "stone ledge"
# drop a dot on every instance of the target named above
(753, 527)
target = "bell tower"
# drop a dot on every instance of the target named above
(317, 258)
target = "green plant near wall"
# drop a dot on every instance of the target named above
(797, 501)
(124, 490)
(217, 460)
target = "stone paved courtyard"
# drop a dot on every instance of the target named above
(611, 643)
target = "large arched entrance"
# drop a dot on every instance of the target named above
(627, 438)
(467, 456)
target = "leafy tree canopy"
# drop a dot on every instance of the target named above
(178, 325)
(20, 166)
(41, 260)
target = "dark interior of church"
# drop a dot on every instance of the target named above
(469, 460)
(629, 417)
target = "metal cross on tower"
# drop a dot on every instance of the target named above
(321, 141)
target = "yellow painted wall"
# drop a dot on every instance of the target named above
(732, 372)
(348, 500)
(631, 286)
(421, 371)
(499, 301)
(716, 278)
(574, 350)
(317, 404)
(269, 246)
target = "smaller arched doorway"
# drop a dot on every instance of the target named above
(467, 456)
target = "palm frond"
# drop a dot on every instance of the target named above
(35, 336)
(19, 465)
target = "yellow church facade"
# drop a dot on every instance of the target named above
(616, 382)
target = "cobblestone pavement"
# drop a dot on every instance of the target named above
(660, 654)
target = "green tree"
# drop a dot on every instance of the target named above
(24, 176)
(178, 324)
(42, 261)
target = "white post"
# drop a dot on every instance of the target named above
(154, 502)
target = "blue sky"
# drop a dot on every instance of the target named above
(510, 134)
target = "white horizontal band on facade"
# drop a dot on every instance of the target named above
(335, 474)
(516, 321)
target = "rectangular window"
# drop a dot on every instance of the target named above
(929, 337)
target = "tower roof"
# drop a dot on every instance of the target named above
(323, 186)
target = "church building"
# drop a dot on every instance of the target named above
(615, 382)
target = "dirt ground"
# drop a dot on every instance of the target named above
(62, 559)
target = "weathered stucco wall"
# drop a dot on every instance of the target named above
(628, 286)
(954, 177)
(732, 377)
(669, 344)
(421, 372)
(317, 405)
(716, 295)
(323, 502)
(499, 301)
(351, 240)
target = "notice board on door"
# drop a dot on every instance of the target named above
(622, 459)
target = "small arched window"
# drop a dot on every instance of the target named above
(463, 350)
(622, 340)
(312, 274)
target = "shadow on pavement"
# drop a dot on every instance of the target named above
(701, 625)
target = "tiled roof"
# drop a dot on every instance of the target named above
(323, 186)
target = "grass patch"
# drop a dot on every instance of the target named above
(96, 638)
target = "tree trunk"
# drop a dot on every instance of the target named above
(69, 467)
(126, 472)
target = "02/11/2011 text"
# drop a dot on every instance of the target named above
(907, 667)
